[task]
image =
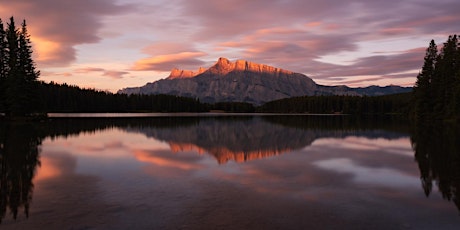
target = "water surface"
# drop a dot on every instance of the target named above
(227, 172)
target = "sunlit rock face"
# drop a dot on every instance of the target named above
(180, 74)
(239, 81)
(244, 81)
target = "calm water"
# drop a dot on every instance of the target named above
(228, 172)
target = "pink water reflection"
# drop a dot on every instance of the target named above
(118, 178)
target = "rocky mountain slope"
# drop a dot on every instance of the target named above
(243, 81)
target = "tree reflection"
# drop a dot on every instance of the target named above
(19, 153)
(437, 152)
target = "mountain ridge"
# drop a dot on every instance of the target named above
(245, 81)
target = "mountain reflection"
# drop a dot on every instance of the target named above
(226, 138)
(19, 157)
(437, 152)
(242, 139)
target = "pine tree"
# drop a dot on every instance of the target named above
(2, 66)
(444, 81)
(12, 77)
(457, 85)
(27, 69)
(21, 76)
(423, 89)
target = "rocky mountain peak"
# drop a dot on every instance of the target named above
(177, 73)
(244, 81)
(223, 66)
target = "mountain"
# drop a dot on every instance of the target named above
(244, 81)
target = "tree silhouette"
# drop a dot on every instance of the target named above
(3, 65)
(437, 152)
(19, 157)
(422, 88)
(19, 74)
(437, 90)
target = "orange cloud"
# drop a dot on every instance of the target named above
(396, 31)
(168, 61)
(114, 74)
(313, 24)
(46, 51)
(108, 73)
(89, 70)
(56, 27)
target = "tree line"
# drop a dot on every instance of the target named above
(437, 89)
(66, 98)
(363, 105)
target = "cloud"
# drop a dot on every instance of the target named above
(395, 31)
(89, 70)
(114, 74)
(58, 26)
(289, 48)
(379, 65)
(108, 73)
(295, 34)
(167, 47)
(291, 34)
(169, 61)
(55, 74)
(228, 19)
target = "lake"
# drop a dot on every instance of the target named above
(217, 171)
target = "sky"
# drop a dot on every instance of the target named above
(113, 44)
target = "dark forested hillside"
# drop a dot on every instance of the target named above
(388, 104)
(65, 98)
(53, 97)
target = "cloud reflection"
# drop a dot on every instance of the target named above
(369, 175)
(166, 159)
(335, 171)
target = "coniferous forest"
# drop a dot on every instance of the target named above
(436, 94)
(437, 90)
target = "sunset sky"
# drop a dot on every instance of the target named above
(112, 44)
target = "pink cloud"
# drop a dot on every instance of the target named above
(89, 70)
(108, 73)
(58, 26)
(169, 61)
(290, 34)
(395, 31)
(114, 74)
(391, 66)
(293, 49)
(167, 47)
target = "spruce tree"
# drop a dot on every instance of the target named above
(21, 77)
(444, 80)
(27, 69)
(457, 85)
(423, 89)
(3, 68)
(12, 92)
